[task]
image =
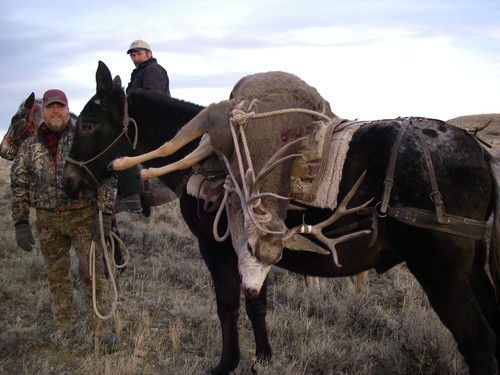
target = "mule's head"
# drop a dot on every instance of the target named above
(99, 136)
(23, 124)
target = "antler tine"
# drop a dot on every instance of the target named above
(332, 242)
(246, 208)
(342, 210)
(258, 196)
(259, 226)
(275, 160)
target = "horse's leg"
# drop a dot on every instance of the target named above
(444, 278)
(256, 311)
(222, 264)
(485, 294)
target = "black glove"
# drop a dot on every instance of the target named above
(24, 236)
(106, 226)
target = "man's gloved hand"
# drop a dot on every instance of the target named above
(24, 235)
(106, 226)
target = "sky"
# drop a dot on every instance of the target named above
(371, 59)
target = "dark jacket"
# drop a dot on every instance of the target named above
(149, 75)
(36, 178)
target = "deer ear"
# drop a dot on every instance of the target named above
(301, 243)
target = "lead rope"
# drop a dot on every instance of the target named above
(92, 267)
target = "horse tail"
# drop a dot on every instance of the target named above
(494, 257)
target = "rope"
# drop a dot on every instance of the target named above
(219, 213)
(239, 118)
(92, 268)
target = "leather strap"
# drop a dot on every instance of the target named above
(435, 194)
(389, 173)
(456, 225)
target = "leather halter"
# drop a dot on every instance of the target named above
(31, 128)
(126, 121)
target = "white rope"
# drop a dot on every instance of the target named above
(237, 121)
(219, 214)
(92, 267)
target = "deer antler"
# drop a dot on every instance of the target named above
(274, 161)
(249, 190)
(342, 210)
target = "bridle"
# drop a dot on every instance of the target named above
(126, 121)
(31, 128)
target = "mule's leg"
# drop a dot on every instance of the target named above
(118, 255)
(485, 294)
(452, 297)
(222, 264)
(256, 311)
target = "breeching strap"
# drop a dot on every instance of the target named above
(389, 174)
(438, 220)
(435, 194)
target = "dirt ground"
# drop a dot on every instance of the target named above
(490, 134)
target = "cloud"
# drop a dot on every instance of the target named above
(370, 59)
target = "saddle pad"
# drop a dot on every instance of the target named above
(316, 178)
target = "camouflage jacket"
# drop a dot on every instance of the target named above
(36, 178)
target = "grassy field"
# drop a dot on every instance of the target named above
(168, 323)
(167, 318)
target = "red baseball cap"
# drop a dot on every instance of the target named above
(54, 96)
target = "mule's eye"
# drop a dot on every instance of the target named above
(87, 126)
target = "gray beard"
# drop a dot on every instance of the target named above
(56, 126)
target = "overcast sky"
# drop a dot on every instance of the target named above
(370, 59)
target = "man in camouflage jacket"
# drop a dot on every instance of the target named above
(61, 222)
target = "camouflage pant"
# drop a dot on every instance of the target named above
(57, 232)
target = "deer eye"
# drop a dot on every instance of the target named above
(249, 248)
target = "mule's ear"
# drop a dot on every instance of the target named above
(117, 82)
(103, 79)
(28, 103)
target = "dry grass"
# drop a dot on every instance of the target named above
(167, 317)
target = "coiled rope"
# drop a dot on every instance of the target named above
(92, 267)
